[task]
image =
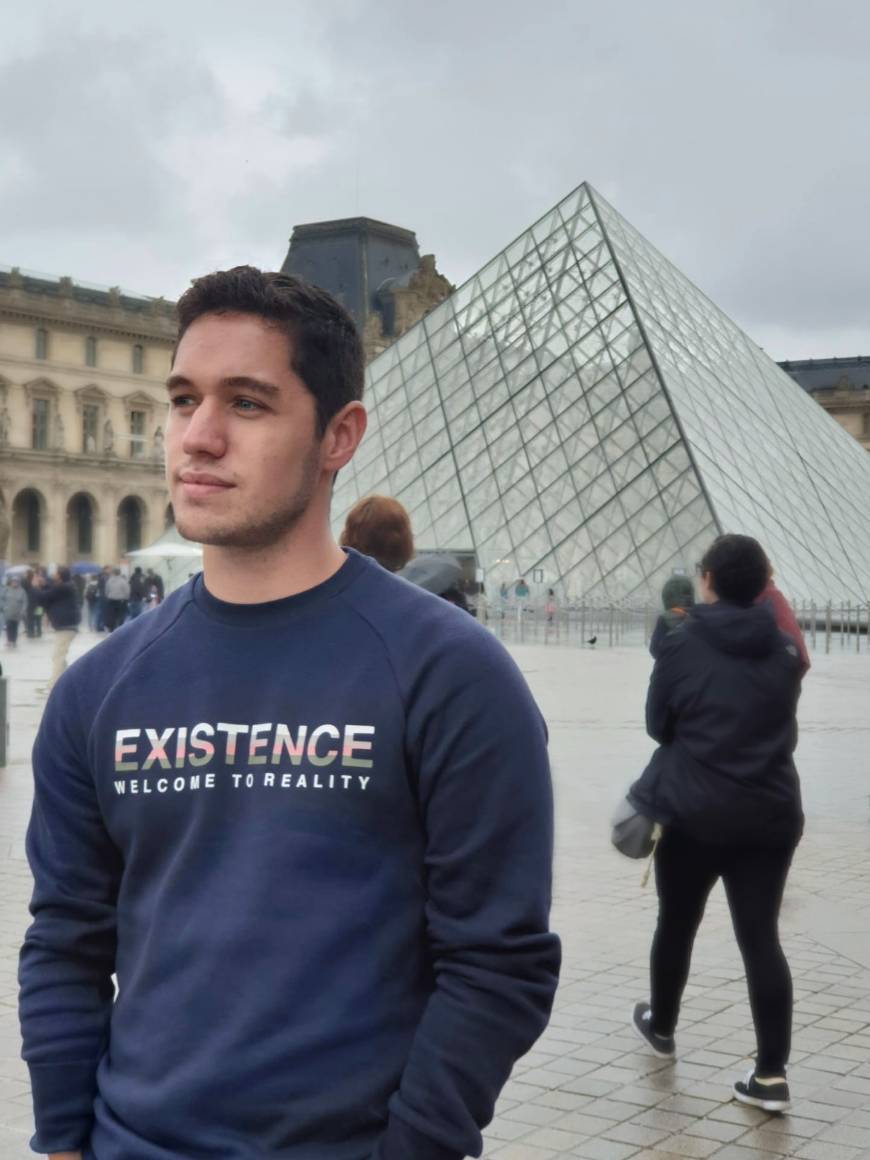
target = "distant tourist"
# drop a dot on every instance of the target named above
(154, 583)
(378, 526)
(678, 596)
(59, 597)
(92, 599)
(722, 705)
(103, 600)
(521, 590)
(117, 595)
(14, 609)
(33, 621)
(550, 605)
(138, 593)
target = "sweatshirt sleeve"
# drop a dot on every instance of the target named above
(68, 956)
(478, 747)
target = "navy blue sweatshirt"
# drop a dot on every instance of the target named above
(313, 839)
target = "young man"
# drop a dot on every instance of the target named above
(303, 809)
(60, 600)
(722, 705)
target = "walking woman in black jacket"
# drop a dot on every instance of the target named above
(722, 705)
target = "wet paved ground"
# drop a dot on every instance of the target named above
(588, 1090)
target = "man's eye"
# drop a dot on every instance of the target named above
(247, 405)
(180, 401)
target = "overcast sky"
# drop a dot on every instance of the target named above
(142, 145)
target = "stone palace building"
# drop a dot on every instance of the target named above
(82, 408)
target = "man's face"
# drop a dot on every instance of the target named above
(242, 453)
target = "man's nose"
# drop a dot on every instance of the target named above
(205, 433)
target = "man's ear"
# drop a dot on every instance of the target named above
(342, 436)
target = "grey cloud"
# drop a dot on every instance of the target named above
(84, 143)
(731, 135)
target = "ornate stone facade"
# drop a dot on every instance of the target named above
(405, 304)
(842, 387)
(82, 411)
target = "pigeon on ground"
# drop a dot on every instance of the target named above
(592, 640)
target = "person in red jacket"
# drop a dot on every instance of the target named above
(786, 621)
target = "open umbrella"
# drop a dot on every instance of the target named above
(435, 573)
(84, 568)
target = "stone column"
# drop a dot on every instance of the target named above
(5, 532)
(53, 549)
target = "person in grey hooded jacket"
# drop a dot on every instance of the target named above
(14, 608)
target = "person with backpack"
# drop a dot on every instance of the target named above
(722, 706)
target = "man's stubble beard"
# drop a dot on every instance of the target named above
(252, 533)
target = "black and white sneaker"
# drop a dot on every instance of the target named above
(662, 1045)
(769, 1095)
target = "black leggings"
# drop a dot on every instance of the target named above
(754, 879)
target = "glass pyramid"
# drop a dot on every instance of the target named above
(578, 410)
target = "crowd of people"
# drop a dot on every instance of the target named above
(67, 599)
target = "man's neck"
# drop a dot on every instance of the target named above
(257, 575)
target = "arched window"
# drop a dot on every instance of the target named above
(80, 516)
(41, 342)
(90, 351)
(27, 522)
(138, 358)
(130, 524)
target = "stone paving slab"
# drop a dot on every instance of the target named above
(589, 1090)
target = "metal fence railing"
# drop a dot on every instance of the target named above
(828, 627)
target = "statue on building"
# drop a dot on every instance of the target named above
(158, 444)
(108, 438)
(5, 424)
(59, 433)
(90, 444)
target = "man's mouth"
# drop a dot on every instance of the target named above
(197, 484)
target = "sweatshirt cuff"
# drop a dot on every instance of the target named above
(63, 1105)
(402, 1142)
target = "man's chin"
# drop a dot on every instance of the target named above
(203, 531)
(213, 534)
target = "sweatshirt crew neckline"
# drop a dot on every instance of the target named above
(272, 611)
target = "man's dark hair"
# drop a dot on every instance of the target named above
(739, 569)
(325, 348)
(64, 574)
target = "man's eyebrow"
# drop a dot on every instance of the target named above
(248, 383)
(234, 382)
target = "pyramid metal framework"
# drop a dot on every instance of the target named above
(578, 407)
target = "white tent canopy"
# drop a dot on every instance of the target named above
(171, 556)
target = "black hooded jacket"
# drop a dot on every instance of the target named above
(722, 704)
(60, 601)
